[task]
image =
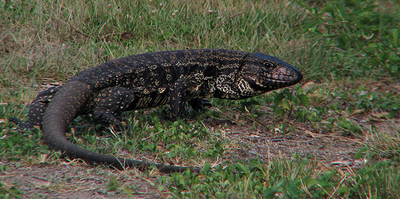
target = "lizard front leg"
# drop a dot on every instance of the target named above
(198, 104)
(178, 98)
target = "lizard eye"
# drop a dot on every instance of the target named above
(268, 66)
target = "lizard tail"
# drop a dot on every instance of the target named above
(63, 109)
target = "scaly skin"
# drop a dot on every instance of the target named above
(149, 80)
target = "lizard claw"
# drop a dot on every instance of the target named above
(22, 126)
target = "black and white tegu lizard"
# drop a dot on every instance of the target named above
(149, 80)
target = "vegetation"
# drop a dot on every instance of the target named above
(348, 51)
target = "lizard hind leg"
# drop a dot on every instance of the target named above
(110, 103)
(37, 109)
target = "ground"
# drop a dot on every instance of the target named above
(72, 180)
(78, 180)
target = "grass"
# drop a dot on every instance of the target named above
(348, 52)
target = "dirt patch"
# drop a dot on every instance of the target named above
(267, 145)
(68, 180)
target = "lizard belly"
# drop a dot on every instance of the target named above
(150, 100)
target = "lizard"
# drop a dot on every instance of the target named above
(149, 80)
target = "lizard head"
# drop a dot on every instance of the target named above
(265, 73)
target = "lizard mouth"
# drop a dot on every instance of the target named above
(287, 75)
(279, 77)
